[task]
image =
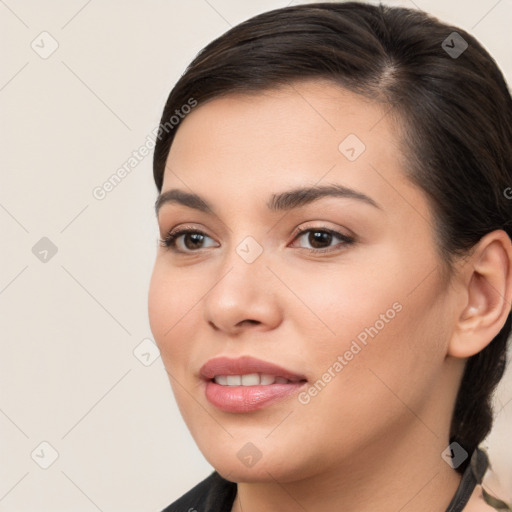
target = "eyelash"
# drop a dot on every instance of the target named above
(169, 242)
(345, 239)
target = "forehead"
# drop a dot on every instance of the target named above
(305, 133)
(296, 115)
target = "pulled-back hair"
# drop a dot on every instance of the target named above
(455, 118)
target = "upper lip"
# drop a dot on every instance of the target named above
(243, 366)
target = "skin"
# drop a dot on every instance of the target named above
(372, 438)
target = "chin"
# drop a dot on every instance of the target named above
(244, 461)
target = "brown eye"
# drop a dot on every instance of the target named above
(187, 240)
(321, 239)
(193, 240)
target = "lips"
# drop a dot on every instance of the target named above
(247, 384)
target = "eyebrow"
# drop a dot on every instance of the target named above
(278, 202)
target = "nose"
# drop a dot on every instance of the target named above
(244, 296)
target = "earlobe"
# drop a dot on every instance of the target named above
(487, 289)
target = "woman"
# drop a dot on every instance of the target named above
(332, 293)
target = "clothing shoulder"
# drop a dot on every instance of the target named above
(213, 494)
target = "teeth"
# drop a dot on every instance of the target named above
(250, 379)
(222, 380)
(234, 380)
(266, 379)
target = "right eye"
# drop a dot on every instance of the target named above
(187, 240)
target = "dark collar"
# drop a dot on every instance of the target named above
(216, 494)
(470, 479)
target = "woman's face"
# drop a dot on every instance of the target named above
(339, 285)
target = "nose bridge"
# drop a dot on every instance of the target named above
(242, 271)
(241, 291)
(249, 250)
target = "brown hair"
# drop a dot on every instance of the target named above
(453, 104)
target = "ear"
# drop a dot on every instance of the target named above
(486, 291)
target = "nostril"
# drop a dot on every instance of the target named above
(213, 325)
(253, 322)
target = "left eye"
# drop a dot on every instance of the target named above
(317, 239)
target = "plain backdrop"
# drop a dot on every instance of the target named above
(87, 418)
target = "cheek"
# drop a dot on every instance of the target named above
(158, 304)
(341, 301)
(392, 345)
(171, 303)
(365, 375)
(386, 317)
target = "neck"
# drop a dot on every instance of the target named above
(406, 475)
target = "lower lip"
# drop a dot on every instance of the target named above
(248, 398)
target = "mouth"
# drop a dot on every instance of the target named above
(247, 384)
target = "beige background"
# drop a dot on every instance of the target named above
(73, 372)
